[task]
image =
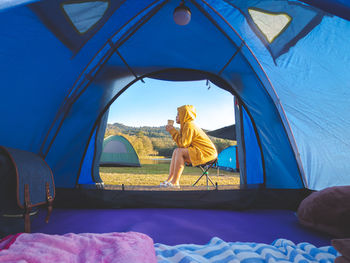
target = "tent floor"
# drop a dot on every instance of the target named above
(179, 226)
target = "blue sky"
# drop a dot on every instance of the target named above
(154, 102)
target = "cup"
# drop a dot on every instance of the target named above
(171, 122)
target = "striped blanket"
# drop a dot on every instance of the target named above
(217, 250)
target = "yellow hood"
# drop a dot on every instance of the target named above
(200, 148)
(187, 113)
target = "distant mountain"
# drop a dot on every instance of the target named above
(147, 130)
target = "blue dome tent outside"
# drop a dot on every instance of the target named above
(63, 63)
(227, 158)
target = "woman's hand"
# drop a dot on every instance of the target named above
(169, 127)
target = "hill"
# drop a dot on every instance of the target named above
(151, 141)
(147, 130)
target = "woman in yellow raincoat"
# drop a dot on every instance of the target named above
(194, 146)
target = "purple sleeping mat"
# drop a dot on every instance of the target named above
(183, 226)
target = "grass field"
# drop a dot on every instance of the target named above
(153, 174)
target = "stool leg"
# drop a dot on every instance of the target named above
(211, 181)
(208, 178)
(198, 179)
(206, 173)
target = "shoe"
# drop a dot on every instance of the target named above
(164, 184)
(170, 185)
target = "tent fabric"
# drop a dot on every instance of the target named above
(118, 151)
(253, 162)
(85, 176)
(83, 15)
(89, 173)
(76, 22)
(102, 125)
(58, 84)
(308, 93)
(228, 132)
(339, 8)
(227, 158)
(240, 142)
(302, 20)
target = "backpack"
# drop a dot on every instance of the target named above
(26, 182)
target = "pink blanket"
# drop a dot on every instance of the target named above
(110, 247)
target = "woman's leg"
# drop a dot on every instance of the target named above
(172, 165)
(181, 157)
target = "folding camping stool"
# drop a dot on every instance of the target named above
(205, 171)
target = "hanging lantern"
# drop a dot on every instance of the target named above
(182, 14)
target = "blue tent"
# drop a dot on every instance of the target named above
(227, 158)
(64, 62)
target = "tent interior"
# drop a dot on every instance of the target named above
(65, 62)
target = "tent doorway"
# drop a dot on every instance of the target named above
(139, 114)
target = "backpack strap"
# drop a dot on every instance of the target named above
(49, 200)
(27, 209)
